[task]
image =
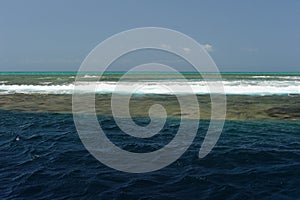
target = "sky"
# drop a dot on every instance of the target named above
(56, 35)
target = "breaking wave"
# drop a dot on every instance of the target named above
(237, 87)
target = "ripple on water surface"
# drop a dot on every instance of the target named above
(41, 156)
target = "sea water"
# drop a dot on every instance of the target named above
(42, 157)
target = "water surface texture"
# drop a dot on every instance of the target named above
(41, 156)
(256, 157)
(151, 83)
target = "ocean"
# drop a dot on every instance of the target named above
(256, 157)
(234, 83)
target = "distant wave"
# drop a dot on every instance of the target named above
(276, 77)
(242, 87)
(90, 76)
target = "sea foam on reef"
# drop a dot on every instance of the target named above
(235, 87)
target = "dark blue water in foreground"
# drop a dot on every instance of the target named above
(41, 156)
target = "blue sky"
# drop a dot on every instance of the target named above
(56, 35)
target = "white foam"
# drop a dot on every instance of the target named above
(90, 76)
(276, 77)
(45, 83)
(243, 87)
(40, 89)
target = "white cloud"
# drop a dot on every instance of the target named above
(186, 50)
(165, 46)
(208, 47)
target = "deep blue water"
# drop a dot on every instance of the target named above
(41, 156)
